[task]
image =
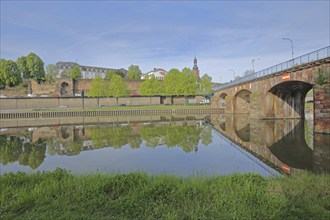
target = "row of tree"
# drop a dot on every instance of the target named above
(26, 67)
(175, 83)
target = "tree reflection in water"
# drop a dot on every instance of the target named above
(14, 149)
(67, 140)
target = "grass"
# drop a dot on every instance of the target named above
(62, 195)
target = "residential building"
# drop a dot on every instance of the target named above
(158, 73)
(87, 72)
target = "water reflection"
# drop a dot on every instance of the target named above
(28, 146)
(289, 144)
(234, 143)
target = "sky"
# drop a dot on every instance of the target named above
(225, 36)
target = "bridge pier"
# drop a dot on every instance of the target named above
(322, 108)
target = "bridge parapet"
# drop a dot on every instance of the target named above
(317, 55)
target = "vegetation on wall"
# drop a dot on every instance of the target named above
(322, 76)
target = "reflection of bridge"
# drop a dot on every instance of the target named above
(278, 143)
(280, 91)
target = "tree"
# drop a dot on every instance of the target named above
(117, 87)
(150, 87)
(186, 71)
(75, 72)
(171, 83)
(98, 87)
(35, 67)
(9, 73)
(134, 73)
(23, 68)
(110, 73)
(205, 85)
(51, 73)
(65, 74)
(188, 84)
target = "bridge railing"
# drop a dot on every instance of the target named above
(310, 57)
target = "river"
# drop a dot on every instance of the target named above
(180, 145)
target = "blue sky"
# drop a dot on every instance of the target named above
(165, 34)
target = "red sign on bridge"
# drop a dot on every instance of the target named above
(286, 76)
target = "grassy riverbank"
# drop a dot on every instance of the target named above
(61, 195)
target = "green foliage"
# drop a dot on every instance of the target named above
(98, 87)
(205, 83)
(322, 76)
(51, 73)
(13, 149)
(171, 82)
(75, 72)
(9, 73)
(180, 83)
(65, 74)
(62, 195)
(150, 87)
(23, 67)
(134, 73)
(188, 84)
(111, 73)
(118, 87)
(35, 67)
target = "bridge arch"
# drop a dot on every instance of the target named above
(241, 101)
(222, 100)
(287, 99)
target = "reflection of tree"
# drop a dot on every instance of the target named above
(186, 137)
(152, 135)
(135, 142)
(28, 154)
(18, 149)
(33, 155)
(10, 149)
(206, 135)
(113, 137)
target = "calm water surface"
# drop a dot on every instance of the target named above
(216, 145)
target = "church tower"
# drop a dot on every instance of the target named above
(195, 69)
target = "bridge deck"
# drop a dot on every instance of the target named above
(304, 59)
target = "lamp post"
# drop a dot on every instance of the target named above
(284, 38)
(233, 72)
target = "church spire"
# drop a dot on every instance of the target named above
(195, 68)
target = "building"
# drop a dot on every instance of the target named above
(195, 69)
(158, 73)
(87, 72)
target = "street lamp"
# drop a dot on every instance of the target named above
(284, 38)
(253, 63)
(233, 72)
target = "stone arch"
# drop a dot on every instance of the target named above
(241, 101)
(222, 100)
(64, 89)
(287, 99)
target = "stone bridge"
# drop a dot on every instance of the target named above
(280, 91)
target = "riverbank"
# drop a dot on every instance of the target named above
(61, 195)
(127, 111)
